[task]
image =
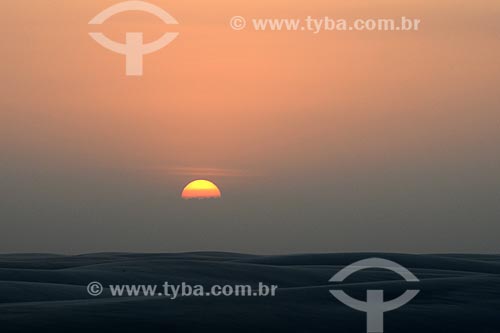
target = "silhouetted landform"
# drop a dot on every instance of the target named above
(48, 293)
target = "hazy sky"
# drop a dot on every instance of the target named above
(339, 141)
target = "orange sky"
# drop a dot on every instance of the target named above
(217, 98)
(252, 110)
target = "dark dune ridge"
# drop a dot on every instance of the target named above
(38, 292)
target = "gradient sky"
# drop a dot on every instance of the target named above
(340, 141)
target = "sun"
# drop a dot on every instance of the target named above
(201, 189)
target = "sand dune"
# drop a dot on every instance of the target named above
(459, 293)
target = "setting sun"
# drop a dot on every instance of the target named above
(201, 189)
